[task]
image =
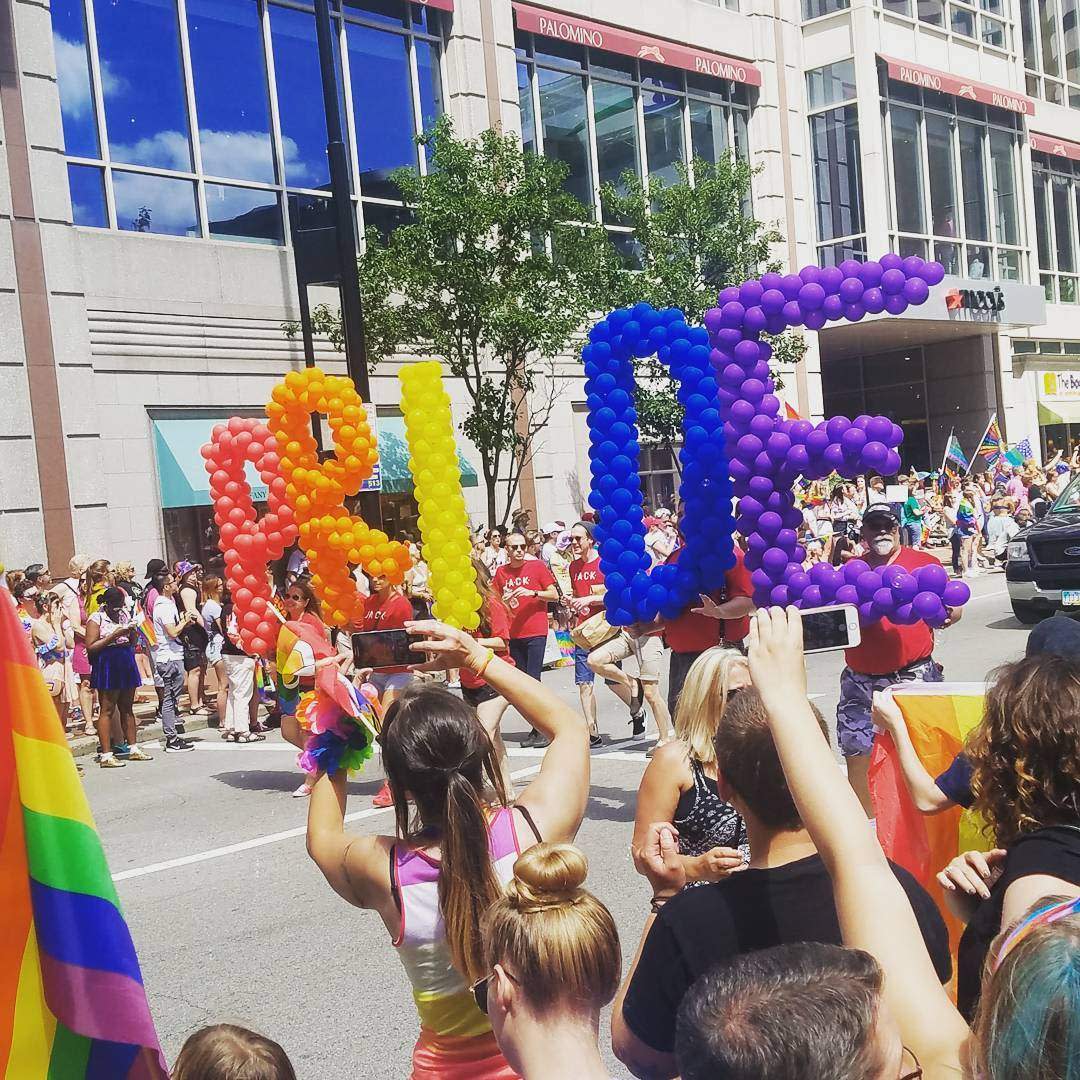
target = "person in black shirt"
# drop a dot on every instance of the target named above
(784, 896)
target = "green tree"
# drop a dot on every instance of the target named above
(690, 241)
(497, 273)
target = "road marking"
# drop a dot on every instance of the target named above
(988, 596)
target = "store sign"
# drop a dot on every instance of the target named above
(987, 300)
(1060, 386)
(1047, 144)
(930, 79)
(569, 28)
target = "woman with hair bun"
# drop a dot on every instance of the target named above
(456, 844)
(553, 956)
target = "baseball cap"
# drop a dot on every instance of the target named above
(881, 510)
(154, 567)
(553, 527)
(34, 571)
(1056, 636)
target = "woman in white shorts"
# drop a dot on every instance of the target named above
(648, 650)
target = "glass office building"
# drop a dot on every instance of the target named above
(172, 146)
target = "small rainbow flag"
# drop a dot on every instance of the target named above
(145, 627)
(939, 716)
(72, 1003)
(993, 445)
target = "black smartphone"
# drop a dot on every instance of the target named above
(384, 649)
(828, 628)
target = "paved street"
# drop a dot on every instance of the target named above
(233, 922)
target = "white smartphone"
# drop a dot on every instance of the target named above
(826, 629)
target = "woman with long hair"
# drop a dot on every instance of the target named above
(52, 640)
(93, 581)
(212, 588)
(680, 783)
(110, 641)
(448, 862)
(194, 639)
(553, 962)
(1025, 757)
(492, 633)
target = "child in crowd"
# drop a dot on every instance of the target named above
(229, 1052)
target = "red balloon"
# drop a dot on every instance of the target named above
(258, 646)
(237, 517)
(242, 597)
(237, 424)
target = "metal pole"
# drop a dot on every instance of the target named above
(309, 353)
(352, 312)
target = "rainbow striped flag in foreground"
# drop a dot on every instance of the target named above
(939, 716)
(72, 1003)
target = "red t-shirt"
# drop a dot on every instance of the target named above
(583, 576)
(887, 647)
(691, 633)
(528, 615)
(499, 622)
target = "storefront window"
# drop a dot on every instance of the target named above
(222, 168)
(644, 118)
(834, 141)
(1057, 217)
(954, 182)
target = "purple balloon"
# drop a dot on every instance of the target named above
(906, 588)
(932, 273)
(836, 427)
(747, 353)
(867, 614)
(874, 455)
(761, 487)
(847, 594)
(771, 280)
(792, 313)
(913, 265)
(769, 524)
(833, 308)
(932, 578)
(762, 426)
(733, 376)
(916, 291)
(743, 412)
(874, 301)
(780, 596)
(868, 583)
(811, 597)
(834, 456)
(897, 436)
(748, 447)
(770, 405)
(798, 459)
(760, 580)
(883, 600)
(896, 305)
(870, 273)
(926, 604)
(790, 286)
(713, 320)
(728, 339)
(879, 429)
(892, 464)
(799, 430)
(852, 441)
(777, 446)
(798, 583)
(854, 312)
(727, 295)
(891, 261)
(753, 390)
(854, 570)
(851, 290)
(811, 296)
(732, 314)
(750, 293)
(904, 615)
(816, 442)
(749, 507)
(787, 539)
(956, 594)
(814, 320)
(810, 274)
(830, 278)
(850, 267)
(774, 561)
(755, 320)
(772, 301)
(893, 281)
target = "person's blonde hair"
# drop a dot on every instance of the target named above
(124, 571)
(702, 701)
(556, 939)
(229, 1052)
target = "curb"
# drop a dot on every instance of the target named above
(87, 745)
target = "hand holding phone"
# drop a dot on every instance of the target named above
(381, 649)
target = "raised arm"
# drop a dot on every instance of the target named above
(874, 912)
(925, 794)
(557, 797)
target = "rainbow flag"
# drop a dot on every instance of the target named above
(993, 442)
(72, 1003)
(145, 627)
(939, 716)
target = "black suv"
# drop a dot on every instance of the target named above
(1043, 568)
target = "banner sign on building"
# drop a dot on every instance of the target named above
(1059, 385)
(1047, 144)
(577, 31)
(930, 79)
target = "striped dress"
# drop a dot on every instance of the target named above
(456, 1041)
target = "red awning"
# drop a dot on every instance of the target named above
(555, 24)
(931, 79)
(1058, 147)
(442, 5)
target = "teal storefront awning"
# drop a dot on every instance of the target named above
(184, 480)
(394, 457)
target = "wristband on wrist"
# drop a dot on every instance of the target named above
(657, 902)
(480, 668)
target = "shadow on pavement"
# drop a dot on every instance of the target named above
(611, 804)
(284, 780)
(1008, 623)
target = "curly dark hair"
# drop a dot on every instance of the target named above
(1026, 751)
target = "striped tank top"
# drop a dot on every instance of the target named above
(456, 1041)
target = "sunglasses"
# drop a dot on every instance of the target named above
(296, 598)
(516, 547)
(480, 990)
(915, 1073)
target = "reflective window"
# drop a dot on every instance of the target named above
(811, 9)
(709, 130)
(382, 97)
(146, 117)
(831, 84)
(939, 152)
(231, 96)
(1003, 165)
(980, 20)
(525, 100)
(907, 170)
(240, 213)
(430, 82)
(663, 127)
(834, 137)
(1057, 218)
(87, 184)
(615, 117)
(973, 181)
(564, 124)
(299, 94)
(155, 204)
(73, 76)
